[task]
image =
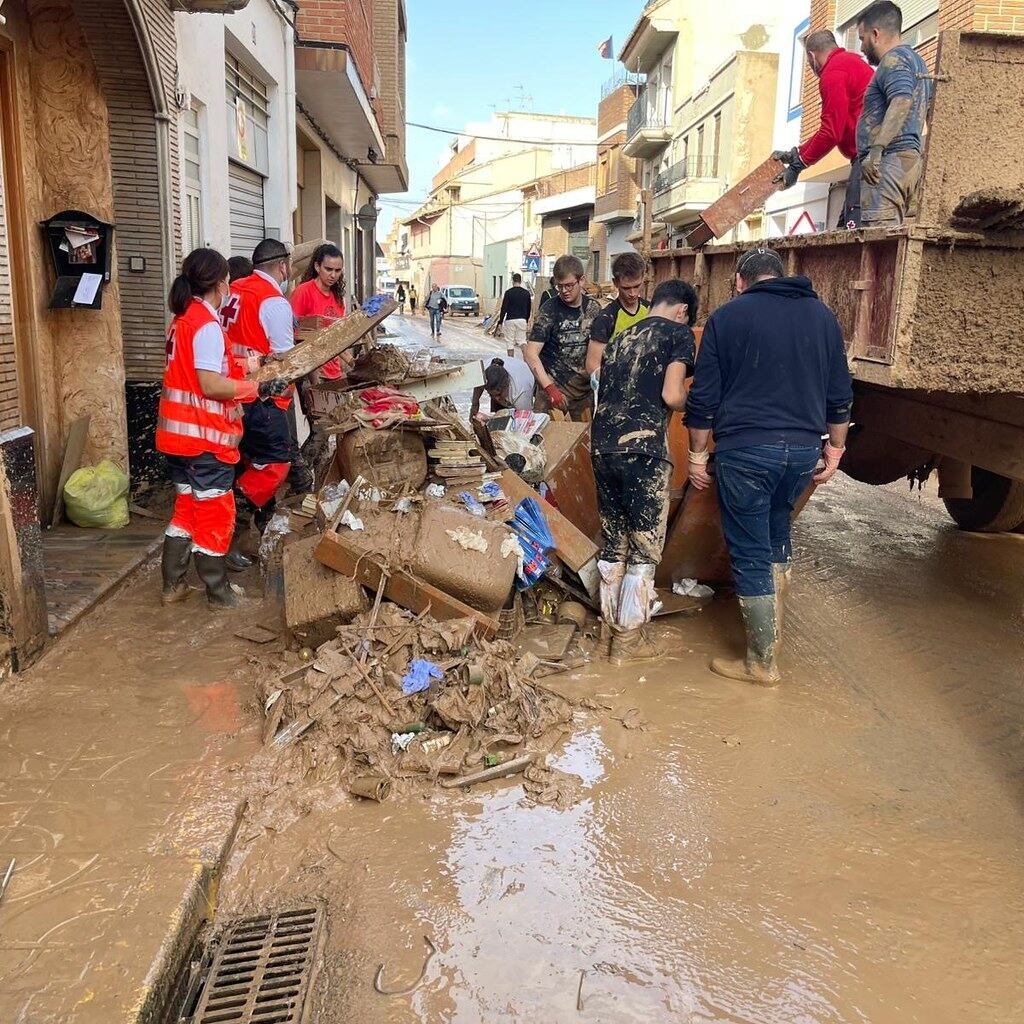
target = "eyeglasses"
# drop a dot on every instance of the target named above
(567, 286)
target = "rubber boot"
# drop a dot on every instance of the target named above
(262, 516)
(220, 592)
(782, 576)
(631, 645)
(173, 567)
(235, 560)
(612, 574)
(760, 666)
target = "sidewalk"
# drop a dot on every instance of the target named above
(119, 803)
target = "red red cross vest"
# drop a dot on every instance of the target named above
(241, 319)
(189, 423)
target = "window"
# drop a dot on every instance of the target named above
(248, 116)
(920, 21)
(717, 144)
(602, 174)
(700, 149)
(798, 61)
(193, 168)
(613, 168)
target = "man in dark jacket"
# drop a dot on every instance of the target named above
(771, 378)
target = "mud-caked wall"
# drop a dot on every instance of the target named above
(64, 151)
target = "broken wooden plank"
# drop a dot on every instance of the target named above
(739, 202)
(402, 587)
(571, 545)
(307, 356)
(74, 449)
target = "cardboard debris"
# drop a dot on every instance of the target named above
(317, 600)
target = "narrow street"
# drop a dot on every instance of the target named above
(845, 848)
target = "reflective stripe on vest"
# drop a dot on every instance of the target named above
(206, 404)
(202, 433)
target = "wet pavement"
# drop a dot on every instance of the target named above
(845, 848)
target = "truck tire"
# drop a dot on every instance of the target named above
(876, 458)
(997, 505)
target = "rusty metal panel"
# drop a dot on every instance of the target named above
(740, 201)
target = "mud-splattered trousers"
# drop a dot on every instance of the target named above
(888, 203)
(204, 508)
(632, 498)
(267, 450)
(758, 488)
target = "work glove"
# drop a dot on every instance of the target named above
(274, 388)
(246, 391)
(700, 470)
(555, 396)
(787, 156)
(871, 166)
(831, 456)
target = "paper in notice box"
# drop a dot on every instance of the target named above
(85, 293)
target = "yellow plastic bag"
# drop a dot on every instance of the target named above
(97, 496)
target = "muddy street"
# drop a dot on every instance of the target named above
(845, 848)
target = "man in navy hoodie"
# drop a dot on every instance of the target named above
(771, 379)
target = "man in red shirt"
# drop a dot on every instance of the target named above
(843, 79)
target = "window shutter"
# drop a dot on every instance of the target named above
(913, 11)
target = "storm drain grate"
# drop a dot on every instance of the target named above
(261, 970)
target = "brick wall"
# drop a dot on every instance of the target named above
(566, 181)
(389, 48)
(999, 16)
(614, 108)
(347, 23)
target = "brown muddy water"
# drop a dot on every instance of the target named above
(845, 848)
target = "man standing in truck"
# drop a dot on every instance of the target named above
(842, 79)
(889, 143)
(771, 378)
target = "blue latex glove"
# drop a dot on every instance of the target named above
(419, 675)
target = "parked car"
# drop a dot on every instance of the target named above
(461, 299)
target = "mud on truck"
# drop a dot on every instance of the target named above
(932, 311)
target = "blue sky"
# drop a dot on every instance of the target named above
(466, 58)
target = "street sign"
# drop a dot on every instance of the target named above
(531, 262)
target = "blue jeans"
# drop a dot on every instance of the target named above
(757, 489)
(435, 321)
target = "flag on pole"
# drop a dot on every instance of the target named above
(605, 49)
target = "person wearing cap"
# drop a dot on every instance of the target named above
(259, 324)
(509, 383)
(771, 380)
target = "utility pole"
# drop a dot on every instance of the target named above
(645, 244)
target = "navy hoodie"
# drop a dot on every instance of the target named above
(771, 368)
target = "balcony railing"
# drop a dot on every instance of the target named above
(692, 167)
(620, 78)
(643, 114)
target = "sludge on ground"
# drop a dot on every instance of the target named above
(845, 848)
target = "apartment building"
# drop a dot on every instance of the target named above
(616, 187)
(478, 225)
(706, 115)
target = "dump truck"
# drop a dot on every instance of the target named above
(931, 311)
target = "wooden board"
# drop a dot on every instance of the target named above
(330, 342)
(695, 548)
(738, 203)
(402, 587)
(570, 475)
(78, 434)
(571, 545)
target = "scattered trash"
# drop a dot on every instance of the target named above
(551, 787)
(488, 774)
(468, 540)
(331, 497)
(472, 504)
(97, 497)
(434, 491)
(378, 980)
(401, 740)
(732, 741)
(419, 675)
(370, 787)
(351, 521)
(691, 588)
(403, 505)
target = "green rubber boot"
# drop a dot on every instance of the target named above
(760, 666)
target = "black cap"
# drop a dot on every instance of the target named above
(269, 250)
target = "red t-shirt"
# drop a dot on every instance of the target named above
(309, 300)
(844, 80)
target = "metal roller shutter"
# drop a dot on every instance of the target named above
(913, 10)
(245, 200)
(10, 413)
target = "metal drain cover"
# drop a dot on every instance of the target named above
(261, 969)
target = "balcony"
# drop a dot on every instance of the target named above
(648, 131)
(684, 189)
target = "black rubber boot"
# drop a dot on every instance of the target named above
(262, 516)
(173, 567)
(220, 592)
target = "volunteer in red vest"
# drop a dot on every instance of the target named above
(843, 79)
(322, 294)
(199, 430)
(259, 324)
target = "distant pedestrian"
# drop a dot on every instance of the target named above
(842, 79)
(514, 315)
(643, 374)
(436, 306)
(771, 379)
(551, 292)
(629, 307)
(400, 298)
(557, 347)
(891, 125)
(239, 267)
(412, 299)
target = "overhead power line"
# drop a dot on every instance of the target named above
(501, 138)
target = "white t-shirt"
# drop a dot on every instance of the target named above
(277, 319)
(521, 388)
(208, 349)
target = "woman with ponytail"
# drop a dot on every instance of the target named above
(199, 429)
(322, 294)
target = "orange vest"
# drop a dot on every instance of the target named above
(189, 423)
(241, 319)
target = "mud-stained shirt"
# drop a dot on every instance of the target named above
(615, 318)
(631, 418)
(564, 331)
(895, 76)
